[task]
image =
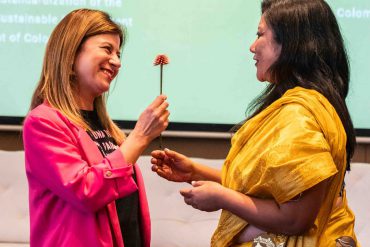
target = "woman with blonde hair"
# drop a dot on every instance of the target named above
(84, 186)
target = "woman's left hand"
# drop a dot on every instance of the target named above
(205, 195)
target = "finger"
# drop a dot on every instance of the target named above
(163, 96)
(157, 162)
(188, 201)
(154, 168)
(164, 125)
(161, 113)
(163, 107)
(163, 174)
(173, 154)
(154, 161)
(165, 115)
(186, 192)
(197, 183)
(164, 121)
(158, 154)
(158, 101)
(168, 160)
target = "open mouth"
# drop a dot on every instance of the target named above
(256, 61)
(109, 73)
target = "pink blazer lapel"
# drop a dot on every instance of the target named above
(89, 148)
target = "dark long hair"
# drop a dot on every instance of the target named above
(312, 56)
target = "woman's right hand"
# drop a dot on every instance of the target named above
(172, 166)
(150, 124)
(153, 120)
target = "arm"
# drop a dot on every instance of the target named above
(176, 167)
(150, 124)
(55, 158)
(55, 162)
(202, 172)
(290, 218)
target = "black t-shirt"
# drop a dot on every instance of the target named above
(128, 206)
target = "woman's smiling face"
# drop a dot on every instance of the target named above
(96, 65)
(266, 51)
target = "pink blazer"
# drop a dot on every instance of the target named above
(72, 188)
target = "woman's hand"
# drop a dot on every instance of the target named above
(172, 166)
(150, 124)
(205, 195)
(249, 233)
(153, 120)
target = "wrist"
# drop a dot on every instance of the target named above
(194, 174)
(133, 147)
(139, 138)
(222, 198)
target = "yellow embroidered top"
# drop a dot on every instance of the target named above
(292, 145)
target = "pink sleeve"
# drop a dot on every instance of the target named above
(55, 158)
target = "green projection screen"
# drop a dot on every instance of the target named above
(211, 76)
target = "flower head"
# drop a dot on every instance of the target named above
(161, 60)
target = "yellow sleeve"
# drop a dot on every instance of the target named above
(299, 157)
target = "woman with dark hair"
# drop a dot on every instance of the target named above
(282, 183)
(84, 186)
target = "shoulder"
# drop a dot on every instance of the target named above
(307, 111)
(46, 115)
(310, 99)
(44, 112)
(301, 110)
(307, 102)
(294, 112)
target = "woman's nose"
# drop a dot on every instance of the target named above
(252, 48)
(115, 60)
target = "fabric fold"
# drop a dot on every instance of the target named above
(292, 145)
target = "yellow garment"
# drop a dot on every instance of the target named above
(294, 144)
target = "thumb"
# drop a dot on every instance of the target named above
(173, 154)
(186, 192)
(197, 183)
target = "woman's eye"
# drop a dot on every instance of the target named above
(107, 49)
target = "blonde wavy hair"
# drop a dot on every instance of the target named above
(57, 83)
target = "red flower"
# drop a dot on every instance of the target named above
(161, 59)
